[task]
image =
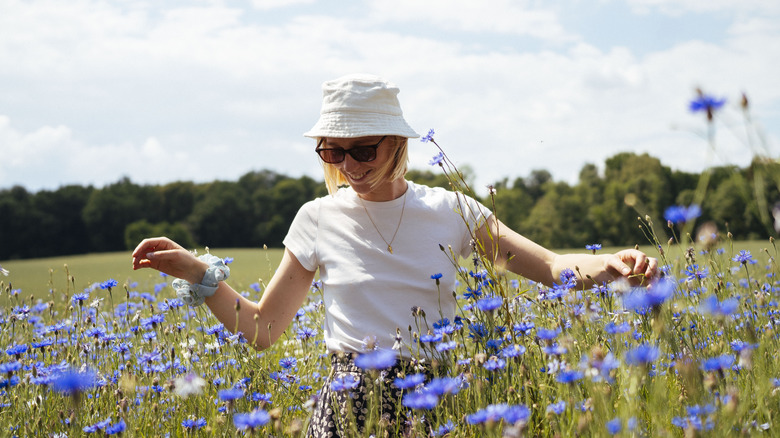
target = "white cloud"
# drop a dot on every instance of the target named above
(148, 91)
(679, 7)
(497, 16)
(277, 4)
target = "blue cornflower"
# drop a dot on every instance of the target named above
(430, 337)
(739, 346)
(376, 360)
(152, 321)
(116, 428)
(78, 299)
(524, 327)
(252, 420)
(109, 284)
(428, 137)
(548, 334)
(718, 363)
(642, 355)
(711, 306)
(614, 329)
(694, 273)
(489, 304)
(436, 276)
(494, 363)
(343, 383)
(554, 350)
(492, 413)
(604, 367)
(444, 429)
(444, 385)
(194, 424)
(230, 394)
(420, 400)
(262, 397)
(478, 330)
(743, 257)
(678, 214)
(409, 381)
(227, 260)
(446, 346)
(513, 351)
(708, 104)
(568, 278)
(304, 333)
(10, 367)
(593, 247)
(493, 344)
(614, 426)
(556, 408)
(100, 425)
(569, 376)
(288, 362)
(640, 298)
(16, 350)
(437, 159)
(73, 382)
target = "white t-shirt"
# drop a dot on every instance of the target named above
(368, 292)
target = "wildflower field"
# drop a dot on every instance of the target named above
(695, 352)
(692, 352)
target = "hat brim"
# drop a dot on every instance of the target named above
(360, 124)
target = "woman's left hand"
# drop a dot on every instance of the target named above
(634, 265)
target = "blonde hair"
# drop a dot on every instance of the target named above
(393, 169)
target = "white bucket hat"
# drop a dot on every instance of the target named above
(360, 105)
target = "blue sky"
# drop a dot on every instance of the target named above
(159, 91)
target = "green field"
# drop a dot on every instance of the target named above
(37, 277)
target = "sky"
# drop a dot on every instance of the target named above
(201, 90)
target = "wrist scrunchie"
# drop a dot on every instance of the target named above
(195, 294)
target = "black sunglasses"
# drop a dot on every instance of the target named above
(358, 153)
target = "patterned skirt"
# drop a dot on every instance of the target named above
(352, 396)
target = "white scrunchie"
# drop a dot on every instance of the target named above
(195, 294)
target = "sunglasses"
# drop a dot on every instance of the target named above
(362, 154)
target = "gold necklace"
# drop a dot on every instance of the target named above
(390, 243)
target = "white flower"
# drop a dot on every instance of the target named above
(191, 384)
(4, 271)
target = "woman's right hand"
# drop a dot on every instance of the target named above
(165, 255)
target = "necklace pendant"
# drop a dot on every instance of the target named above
(390, 248)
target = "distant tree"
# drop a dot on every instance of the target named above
(176, 201)
(110, 209)
(428, 178)
(222, 216)
(18, 232)
(635, 186)
(60, 227)
(139, 230)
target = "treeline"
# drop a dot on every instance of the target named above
(257, 209)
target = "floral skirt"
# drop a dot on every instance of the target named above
(342, 408)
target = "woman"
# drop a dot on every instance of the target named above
(376, 243)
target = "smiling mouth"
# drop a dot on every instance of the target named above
(357, 176)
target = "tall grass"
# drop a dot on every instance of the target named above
(580, 361)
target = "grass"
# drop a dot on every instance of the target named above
(698, 357)
(36, 277)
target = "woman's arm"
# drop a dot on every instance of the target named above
(261, 323)
(524, 257)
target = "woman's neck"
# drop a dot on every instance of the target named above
(386, 192)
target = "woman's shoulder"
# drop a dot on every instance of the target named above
(432, 194)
